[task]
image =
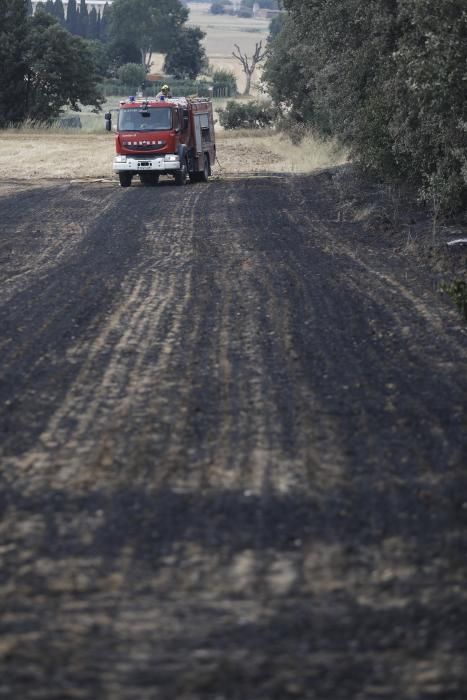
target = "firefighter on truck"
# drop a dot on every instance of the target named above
(154, 137)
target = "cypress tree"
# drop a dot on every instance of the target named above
(98, 25)
(105, 23)
(83, 19)
(13, 37)
(72, 17)
(50, 7)
(59, 12)
(92, 26)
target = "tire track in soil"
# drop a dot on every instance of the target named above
(250, 479)
(43, 320)
(81, 440)
(260, 387)
(40, 228)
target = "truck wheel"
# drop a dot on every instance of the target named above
(181, 175)
(204, 175)
(150, 179)
(125, 179)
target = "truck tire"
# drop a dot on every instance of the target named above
(149, 179)
(125, 179)
(182, 174)
(204, 174)
(201, 175)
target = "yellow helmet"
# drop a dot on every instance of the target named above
(164, 88)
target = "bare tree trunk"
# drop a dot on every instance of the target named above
(249, 65)
(146, 58)
(248, 84)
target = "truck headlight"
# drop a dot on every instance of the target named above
(171, 158)
(120, 159)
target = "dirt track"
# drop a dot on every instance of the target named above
(234, 446)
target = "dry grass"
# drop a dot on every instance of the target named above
(39, 154)
(27, 155)
(311, 154)
(265, 151)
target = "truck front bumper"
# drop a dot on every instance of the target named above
(159, 164)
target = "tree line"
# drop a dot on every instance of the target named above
(78, 20)
(388, 78)
(51, 61)
(133, 29)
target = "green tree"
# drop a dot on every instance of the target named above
(72, 18)
(285, 76)
(387, 77)
(59, 12)
(61, 71)
(150, 25)
(276, 25)
(346, 52)
(121, 52)
(187, 58)
(54, 8)
(83, 19)
(98, 26)
(13, 36)
(104, 23)
(428, 125)
(100, 56)
(93, 27)
(131, 74)
(225, 80)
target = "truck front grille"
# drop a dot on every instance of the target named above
(144, 147)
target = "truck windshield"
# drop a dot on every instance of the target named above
(151, 119)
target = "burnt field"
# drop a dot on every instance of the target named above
(233, 439)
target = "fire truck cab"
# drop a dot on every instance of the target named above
(174, 136)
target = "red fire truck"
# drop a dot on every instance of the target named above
(174, 136)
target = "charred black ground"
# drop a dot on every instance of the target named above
(233, 441)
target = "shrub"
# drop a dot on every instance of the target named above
(224, 83)
(457, 290)
(132, 74)
(247, 115)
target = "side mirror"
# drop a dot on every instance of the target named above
(108, 121)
